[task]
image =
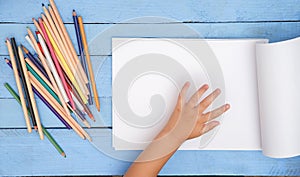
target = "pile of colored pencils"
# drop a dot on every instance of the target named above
(57, 76)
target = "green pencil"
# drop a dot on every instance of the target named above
(48, 135)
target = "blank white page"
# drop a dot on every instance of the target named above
(278, 66)
(239, 129)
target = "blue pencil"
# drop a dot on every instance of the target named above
(80, 48)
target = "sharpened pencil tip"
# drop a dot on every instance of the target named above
(74, 13)
(43, 4)
(63, 154)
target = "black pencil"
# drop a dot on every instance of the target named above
(19, 66)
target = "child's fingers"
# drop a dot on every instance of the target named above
(209, 126)
(184, 90)
(214, 114)
(208, 100)
(197, 95)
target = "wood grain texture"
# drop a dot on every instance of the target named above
(24, 154)
(84, 159)
(116, 11)
(15, 117)
(102, 33)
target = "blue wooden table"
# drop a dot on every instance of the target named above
(24, 154)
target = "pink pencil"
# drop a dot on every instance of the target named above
(56, 63)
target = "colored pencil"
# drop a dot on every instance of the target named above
(30, 43)
(35, 61)
(31, 96)
(56, 63)
(65, 53)
(68, 40)
(48, 135)
(80, 48)
(57, 107)
(88, 60)
(43, 60)
(66, 97)
(19, 86)
(62, 62)
(36, 24)
(23, 81)
(39, 95)
(69, 59)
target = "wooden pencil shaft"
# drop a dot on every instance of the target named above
(56, 106)
(86, 109)
(43, 60)
(63, 64)
(17, 79)
(53, 142)
(52, 68)
(27, 99)
(80, 48)
(42, 98)
(31, 96)
(48, 135)
(65, 45)
(37, 26)
(36, 62)
(30, 42)
(58, 69)
(51, 26)
(88, 60)
(61, 48)
(51, 108)
(68, 39)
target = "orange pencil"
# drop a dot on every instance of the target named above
(88, 60)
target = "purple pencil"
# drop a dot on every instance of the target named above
(51, 108)
(45, 101)
(35, 62)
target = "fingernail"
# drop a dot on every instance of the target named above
(227, 106)
(205, 86)
(218, 91)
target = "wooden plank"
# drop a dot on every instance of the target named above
(182, 11)
(99, 35)
(39, 158)
(12, 116)
(101, 68)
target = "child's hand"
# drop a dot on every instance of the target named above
(188, 119)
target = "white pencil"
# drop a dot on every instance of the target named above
(52, 68)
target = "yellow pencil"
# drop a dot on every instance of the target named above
(65, 67)
(59, 34)
(88, 60)
(19, 86)
(44, 62)
(68, 40)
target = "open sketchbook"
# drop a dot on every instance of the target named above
(260, 80)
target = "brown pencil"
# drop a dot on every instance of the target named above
(88, 60)
(19, 86)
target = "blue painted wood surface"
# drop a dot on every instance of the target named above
(24, 154)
